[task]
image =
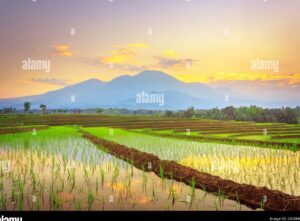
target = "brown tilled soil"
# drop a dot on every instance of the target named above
(21, 129)
(248, 195)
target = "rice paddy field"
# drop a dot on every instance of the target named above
(243, 164)
(46, 164)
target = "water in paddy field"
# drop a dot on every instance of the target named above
(276, 169)
(72, 174)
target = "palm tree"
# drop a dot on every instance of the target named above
(43, 107)
(27, 106)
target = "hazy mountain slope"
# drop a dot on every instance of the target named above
(122, 91)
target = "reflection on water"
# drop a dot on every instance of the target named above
(276, 169)
(72, 174)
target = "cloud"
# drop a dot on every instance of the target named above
(125, 57)
(130, 57)
(124, 53)
(174, 64)
(115, 65)
(280, 80)
(63, 50)
(130, 67)
(257, 89)
(53, 81)
(170, 53)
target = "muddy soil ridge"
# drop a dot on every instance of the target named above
(249, 195)
(13, 130)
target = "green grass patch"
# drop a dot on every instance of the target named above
(42, 136)
(288, 140)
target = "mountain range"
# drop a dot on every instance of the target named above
(122, 92)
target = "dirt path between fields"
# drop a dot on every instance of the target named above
(248, 195)
(21, 129)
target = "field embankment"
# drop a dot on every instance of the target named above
(21, 129)
(267, 144)
(249, 133)
(246, 194)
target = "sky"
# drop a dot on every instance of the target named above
(224, 43)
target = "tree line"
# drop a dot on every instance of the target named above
(251, 113)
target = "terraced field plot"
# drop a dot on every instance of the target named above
(276, 169)
(256, 134)
(249, 133)
(46, 159)
(56, 169)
